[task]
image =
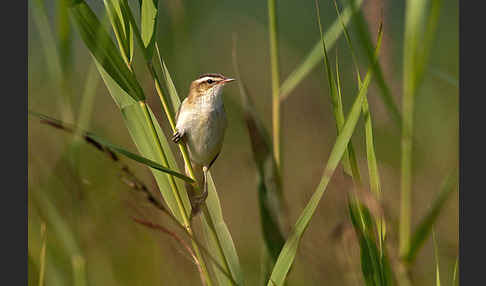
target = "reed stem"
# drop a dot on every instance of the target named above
(272, 25)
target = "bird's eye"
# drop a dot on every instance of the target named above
(210, 81)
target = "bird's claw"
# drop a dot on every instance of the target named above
(176, 137)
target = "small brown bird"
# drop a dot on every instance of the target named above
(201, 124)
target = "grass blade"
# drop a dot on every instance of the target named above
(349, 164)
(313, 58)
(289, 250)
(269, 193)
(102, 48)
(425, 227)
(102, 143)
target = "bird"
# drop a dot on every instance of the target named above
(201, 124)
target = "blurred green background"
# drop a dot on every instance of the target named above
(88, 210)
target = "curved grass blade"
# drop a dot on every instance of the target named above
(269, 188)
(425, 226)
(102, 143)
(103, 49)
(349, 163)
(313, 58)
(121, 27)
(287, 255)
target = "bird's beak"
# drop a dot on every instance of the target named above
(226, 80)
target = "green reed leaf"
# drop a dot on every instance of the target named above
(103, 49)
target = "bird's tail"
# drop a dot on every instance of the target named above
(198, 173)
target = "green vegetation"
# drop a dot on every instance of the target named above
(106, 220)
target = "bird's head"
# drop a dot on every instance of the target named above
(208, 84)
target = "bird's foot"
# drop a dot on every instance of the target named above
(176, 137)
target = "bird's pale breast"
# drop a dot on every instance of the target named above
(206, 134)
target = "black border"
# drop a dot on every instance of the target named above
(13, 210)
(471, 167)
